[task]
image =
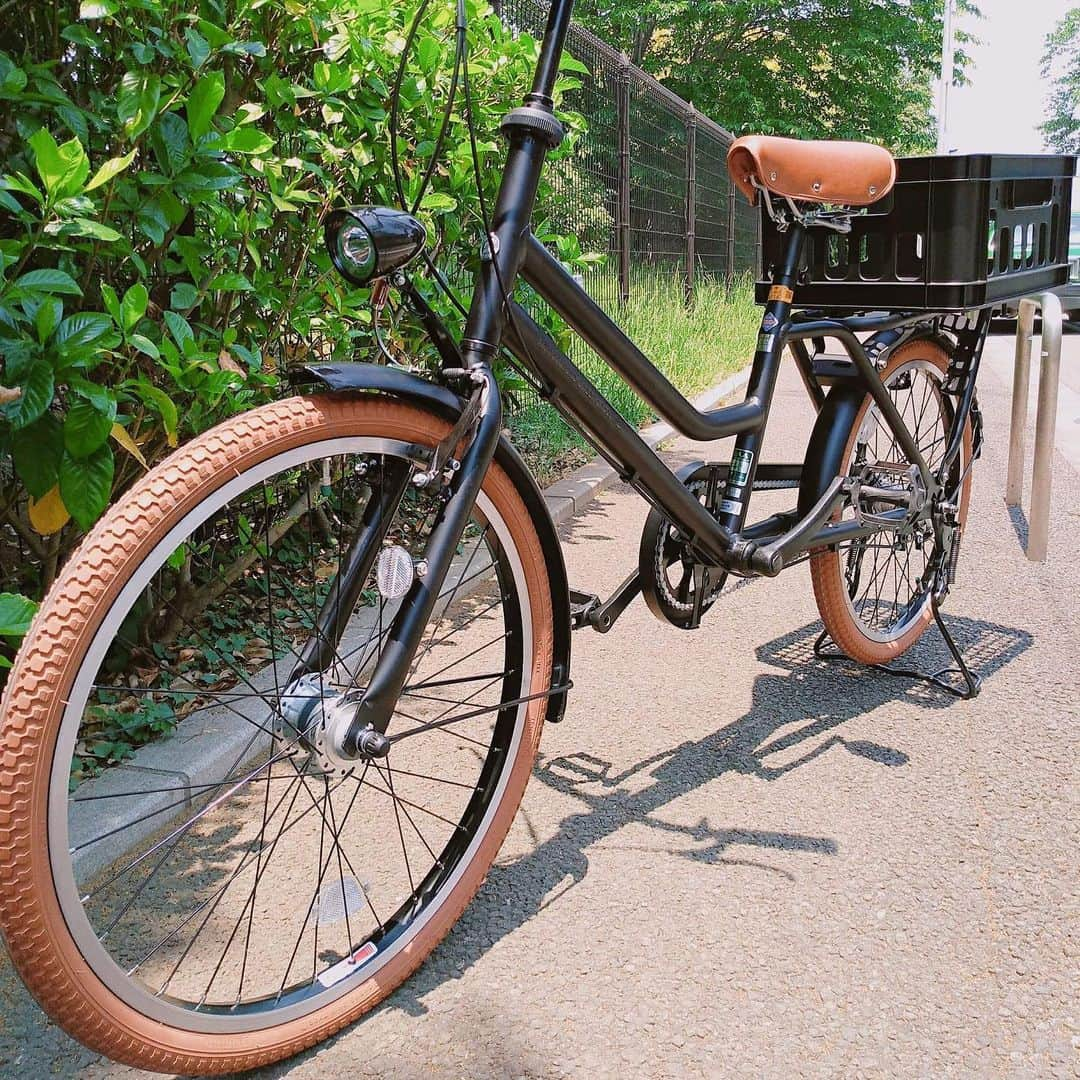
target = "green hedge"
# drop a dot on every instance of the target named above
(166, 166)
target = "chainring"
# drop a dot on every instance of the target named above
(669, 573)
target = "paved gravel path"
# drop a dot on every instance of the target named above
(735, 860)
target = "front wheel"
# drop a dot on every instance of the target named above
(874, 594)
(192, 880)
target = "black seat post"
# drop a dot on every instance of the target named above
(763, 374)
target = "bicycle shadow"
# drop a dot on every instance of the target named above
(816, 696)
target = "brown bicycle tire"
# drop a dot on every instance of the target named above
(31, 919)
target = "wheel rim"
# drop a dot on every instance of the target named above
(887, 579)
(137, 919)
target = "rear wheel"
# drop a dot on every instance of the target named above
(874, 594)
(231, 894)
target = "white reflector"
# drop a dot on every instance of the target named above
(394, 572)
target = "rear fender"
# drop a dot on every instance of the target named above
(354, 378)
(825, 451)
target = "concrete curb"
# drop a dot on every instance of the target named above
(573, 493)
(190, 757)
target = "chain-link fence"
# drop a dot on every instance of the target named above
(648, 185)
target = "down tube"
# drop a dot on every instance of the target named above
(574, 396)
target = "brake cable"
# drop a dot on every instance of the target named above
(460, 76)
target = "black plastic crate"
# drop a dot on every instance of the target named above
(955, 233)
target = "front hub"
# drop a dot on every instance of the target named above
(307, 722)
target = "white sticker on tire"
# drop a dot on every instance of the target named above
(344, 968)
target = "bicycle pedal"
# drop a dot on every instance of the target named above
(582, 605)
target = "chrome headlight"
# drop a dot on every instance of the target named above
(368, 242)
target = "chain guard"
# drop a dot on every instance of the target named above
(669, 575)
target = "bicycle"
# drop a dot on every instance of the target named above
(414, 617)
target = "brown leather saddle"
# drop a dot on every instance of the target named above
(844, 173)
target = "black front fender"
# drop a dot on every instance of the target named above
(353, 378)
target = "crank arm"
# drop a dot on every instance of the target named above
(599, 615)
(364, 730)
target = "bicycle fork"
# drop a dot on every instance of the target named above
(357, 729)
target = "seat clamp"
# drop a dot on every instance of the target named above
(536, 121)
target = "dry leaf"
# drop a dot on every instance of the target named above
(48, 514)
(119, 433)
(227, 363)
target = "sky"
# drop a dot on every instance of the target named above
(1006, 101)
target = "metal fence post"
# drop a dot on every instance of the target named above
(622, 205)
(730, 232)
(1042, 469)
(1014, 476)
(691, 200)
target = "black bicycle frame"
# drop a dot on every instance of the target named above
(494, 319)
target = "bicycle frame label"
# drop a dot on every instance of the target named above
(741, 463)
(781, 293)
(730, 506)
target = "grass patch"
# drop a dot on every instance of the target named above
(694, 346)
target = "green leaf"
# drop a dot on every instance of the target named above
(203, 102)
(283, 204)
(12, 77)
(94, 229)
(157, 399)
(85, 484)
(99, 396)
(137, 102)
(16, 614)
(172, 140)
(144, 345)
(248, 140)
(249, 112)
(437, 201)
(198, 47)
(569, 63)
(82, 328)
(36, 452)
(133, 307)
(112, 302)
(85, 429)
(8, 202)
(231, 282)
(47, 317)
(176, 559)
(183, 296)
(245, 48)
(428, 53)
(153, 222)
(63, 169)
(23, 185)
(37, 387)
(49, 281)
(213, 33)
(180, 328)
(111, 168)
(81, 36)
(97, 9)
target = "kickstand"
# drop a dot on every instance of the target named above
(945, 679)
